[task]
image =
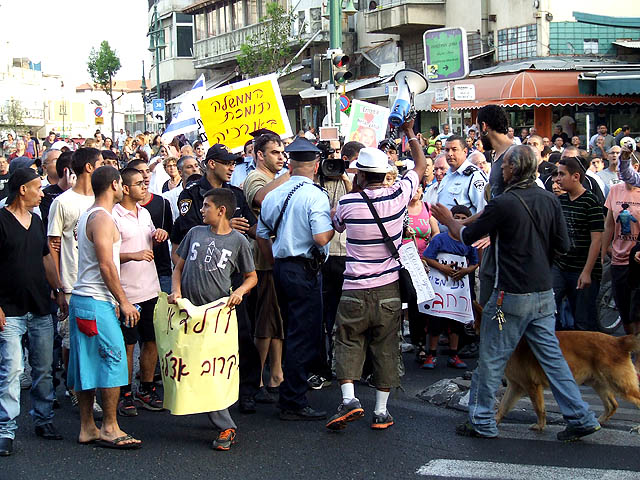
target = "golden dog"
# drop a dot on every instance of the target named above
(601, 361)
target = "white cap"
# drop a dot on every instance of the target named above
(372, 160)
(59, 144)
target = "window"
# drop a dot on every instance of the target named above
(183, 18)
(517, 42)
(252, 12)
(212, 23)
(238, 14)
(590, 46)
(184, 41)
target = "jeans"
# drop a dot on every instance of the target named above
(582, 302)
(40, 333)
(165, 283)
(531, 316)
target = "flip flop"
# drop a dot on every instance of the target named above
(117, 443)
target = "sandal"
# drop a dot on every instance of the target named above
(118, 443)
(421, 355)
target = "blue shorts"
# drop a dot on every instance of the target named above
(97, 357)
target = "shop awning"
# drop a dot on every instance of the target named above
(610, 83)
(528, 89)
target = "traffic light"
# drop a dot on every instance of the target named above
(340, 66)
(314, 78)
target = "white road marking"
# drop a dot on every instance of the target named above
(508, 471)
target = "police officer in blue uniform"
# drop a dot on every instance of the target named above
(220, 164)
(297, 216)
(464, 183)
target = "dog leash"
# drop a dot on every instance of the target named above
(499, 316)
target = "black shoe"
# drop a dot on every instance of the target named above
(48, 432)
(306, 413)
(467, 430)
(247, 404)
(346, 413)
(317, 382)
(263, 396)
(571, 434)
(469, 351)
(6, 447)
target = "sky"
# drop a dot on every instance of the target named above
(60, 34)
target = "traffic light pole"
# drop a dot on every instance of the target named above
(335, 43)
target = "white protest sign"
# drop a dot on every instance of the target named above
(410, 260)
(452, 298)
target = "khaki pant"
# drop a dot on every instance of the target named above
(369, 318)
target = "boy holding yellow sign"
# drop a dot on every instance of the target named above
(207, 257)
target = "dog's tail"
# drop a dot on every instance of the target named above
(630, 343)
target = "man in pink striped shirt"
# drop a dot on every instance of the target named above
(370, 306)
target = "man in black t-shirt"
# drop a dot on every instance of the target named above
(160, 211)
(577, 274)
(63, 169)
(24, 308)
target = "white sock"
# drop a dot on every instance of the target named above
(381, 402)
(348, 392)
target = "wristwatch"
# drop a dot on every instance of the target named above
(57, 291)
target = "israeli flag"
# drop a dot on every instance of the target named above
(185, 118)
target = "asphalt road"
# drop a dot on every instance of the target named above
(420, 445)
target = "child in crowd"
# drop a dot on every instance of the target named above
(207, 258)
(444, 243)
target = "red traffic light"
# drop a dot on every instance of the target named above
(341, 61)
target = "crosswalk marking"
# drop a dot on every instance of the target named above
(461, 469)
(605, 436)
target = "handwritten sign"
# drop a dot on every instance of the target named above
(410, 260)
(368, 123)
(452, 297)
(198, 351)
(230, 113)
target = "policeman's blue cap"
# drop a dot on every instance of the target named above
(302, 150)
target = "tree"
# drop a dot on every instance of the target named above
(14, 115)
(270, 48)
(103, 66)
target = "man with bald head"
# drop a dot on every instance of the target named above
(440, 168)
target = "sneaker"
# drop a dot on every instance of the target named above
(25, 381)
(429, 363)
(469, 351)
(149, 400)
(455, 362)
(225, 439)
(467, 430)
(317, 382)
(73, 397)
(381, 421)
(346, 413)
(127, 406)
(571, 434)
(407, 347)
(97, 410)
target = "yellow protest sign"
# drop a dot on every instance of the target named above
(198, 350)
(230, 113)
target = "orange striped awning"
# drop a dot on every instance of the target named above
(528, 89)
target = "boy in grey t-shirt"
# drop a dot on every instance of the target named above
(207, 257)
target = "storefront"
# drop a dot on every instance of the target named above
(542, 98)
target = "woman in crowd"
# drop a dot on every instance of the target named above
(156, 145)
(21, 150)
(108, 144)
(431, 141)
(171, 167)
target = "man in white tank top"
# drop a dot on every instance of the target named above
(100, 362)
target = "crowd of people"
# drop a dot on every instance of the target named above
(307, 254)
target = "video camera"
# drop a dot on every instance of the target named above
(329, 167)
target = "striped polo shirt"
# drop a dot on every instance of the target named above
(369, 262)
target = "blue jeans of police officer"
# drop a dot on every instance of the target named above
(299, 289)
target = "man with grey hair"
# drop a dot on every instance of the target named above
(527, 227)
(49, 159)
(610, 175)
(187, 165)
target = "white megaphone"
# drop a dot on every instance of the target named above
(628, 142)
(409, 83)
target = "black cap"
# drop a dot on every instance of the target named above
(19, 177)
(21, 162)
(262, 131)
(302, 150)
(221, 153)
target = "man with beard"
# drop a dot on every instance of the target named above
(493, 123)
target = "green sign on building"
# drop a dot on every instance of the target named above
(445, 54)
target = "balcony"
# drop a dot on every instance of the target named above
(224, 48)
(176, 69)
(405, 16)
